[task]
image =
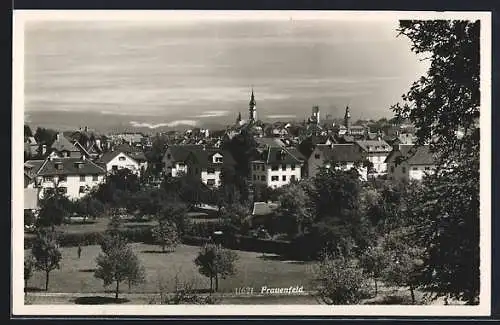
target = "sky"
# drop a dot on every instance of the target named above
(154, 74)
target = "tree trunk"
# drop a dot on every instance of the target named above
(25, 286)
(216, 283)
(117, 289)
(47, 280)
(211, 284)
(163, 248)
(412, 295)
(376, 286)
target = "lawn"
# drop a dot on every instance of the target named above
(253, 270)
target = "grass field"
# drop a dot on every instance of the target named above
(254, 270)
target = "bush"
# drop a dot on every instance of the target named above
(205, 229)
(135, 235)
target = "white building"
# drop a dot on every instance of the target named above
(376, 152)
(409, 162)
(277, 166)
(117, 160)
(199, 161)
(174, 160)
(343, 156)
(74, 177)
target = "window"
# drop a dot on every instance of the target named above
(283, 178)
(47, 178)
(392, 169)
(274, 167)
(254, 177)
(415, 168)
(114, 167)
(82, 178)
(292, 178)
(81, 189)
(218, 159)
(403, 169)
(263, 168)
(63, 178)
(283, 167)
(427, 168)
(211, 171)
(317, 156)
(210, 182)
(95, 178)
(62, 190)
(121, 158)
(292, 166)
(274, 178)
(263, 178)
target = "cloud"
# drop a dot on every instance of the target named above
(212, 114)
(159, 125)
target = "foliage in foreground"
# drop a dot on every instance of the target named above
(118, 263)
(215, 262)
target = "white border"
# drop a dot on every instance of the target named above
(20, 17)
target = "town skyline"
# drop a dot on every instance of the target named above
(154, 75)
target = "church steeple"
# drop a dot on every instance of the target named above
(252, 108)
(347, 120)
(238, 119)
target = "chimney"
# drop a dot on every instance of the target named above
(44, 149)
(86, 129)
(83, 157)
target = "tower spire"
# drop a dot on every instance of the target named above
(252, 107)
(347, 120)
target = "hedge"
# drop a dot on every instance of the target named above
(144, 235)
(134, 235)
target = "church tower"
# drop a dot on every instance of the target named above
(347, 120)
(252, 108)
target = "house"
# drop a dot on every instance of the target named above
(71, 176)
(344, 156)
(63, 147)
(175, 157)
(117, 160)
(30, 169)
(134, 153)
(277, 166)
(30, 146)
(205, 163)
(208, 164)
(409, 162)
(376, 152)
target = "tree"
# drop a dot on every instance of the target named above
(295, 204)
(29, 218)
(373, 261)
(236, 218)
(89, 206)
(46, 253)
(340, 281)
(118, 263)
(54, 209)
(45, 136)
(403, 261)
(165, 234)
(444, 107)
(27, 131)
(29, 265)
(215, 262)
